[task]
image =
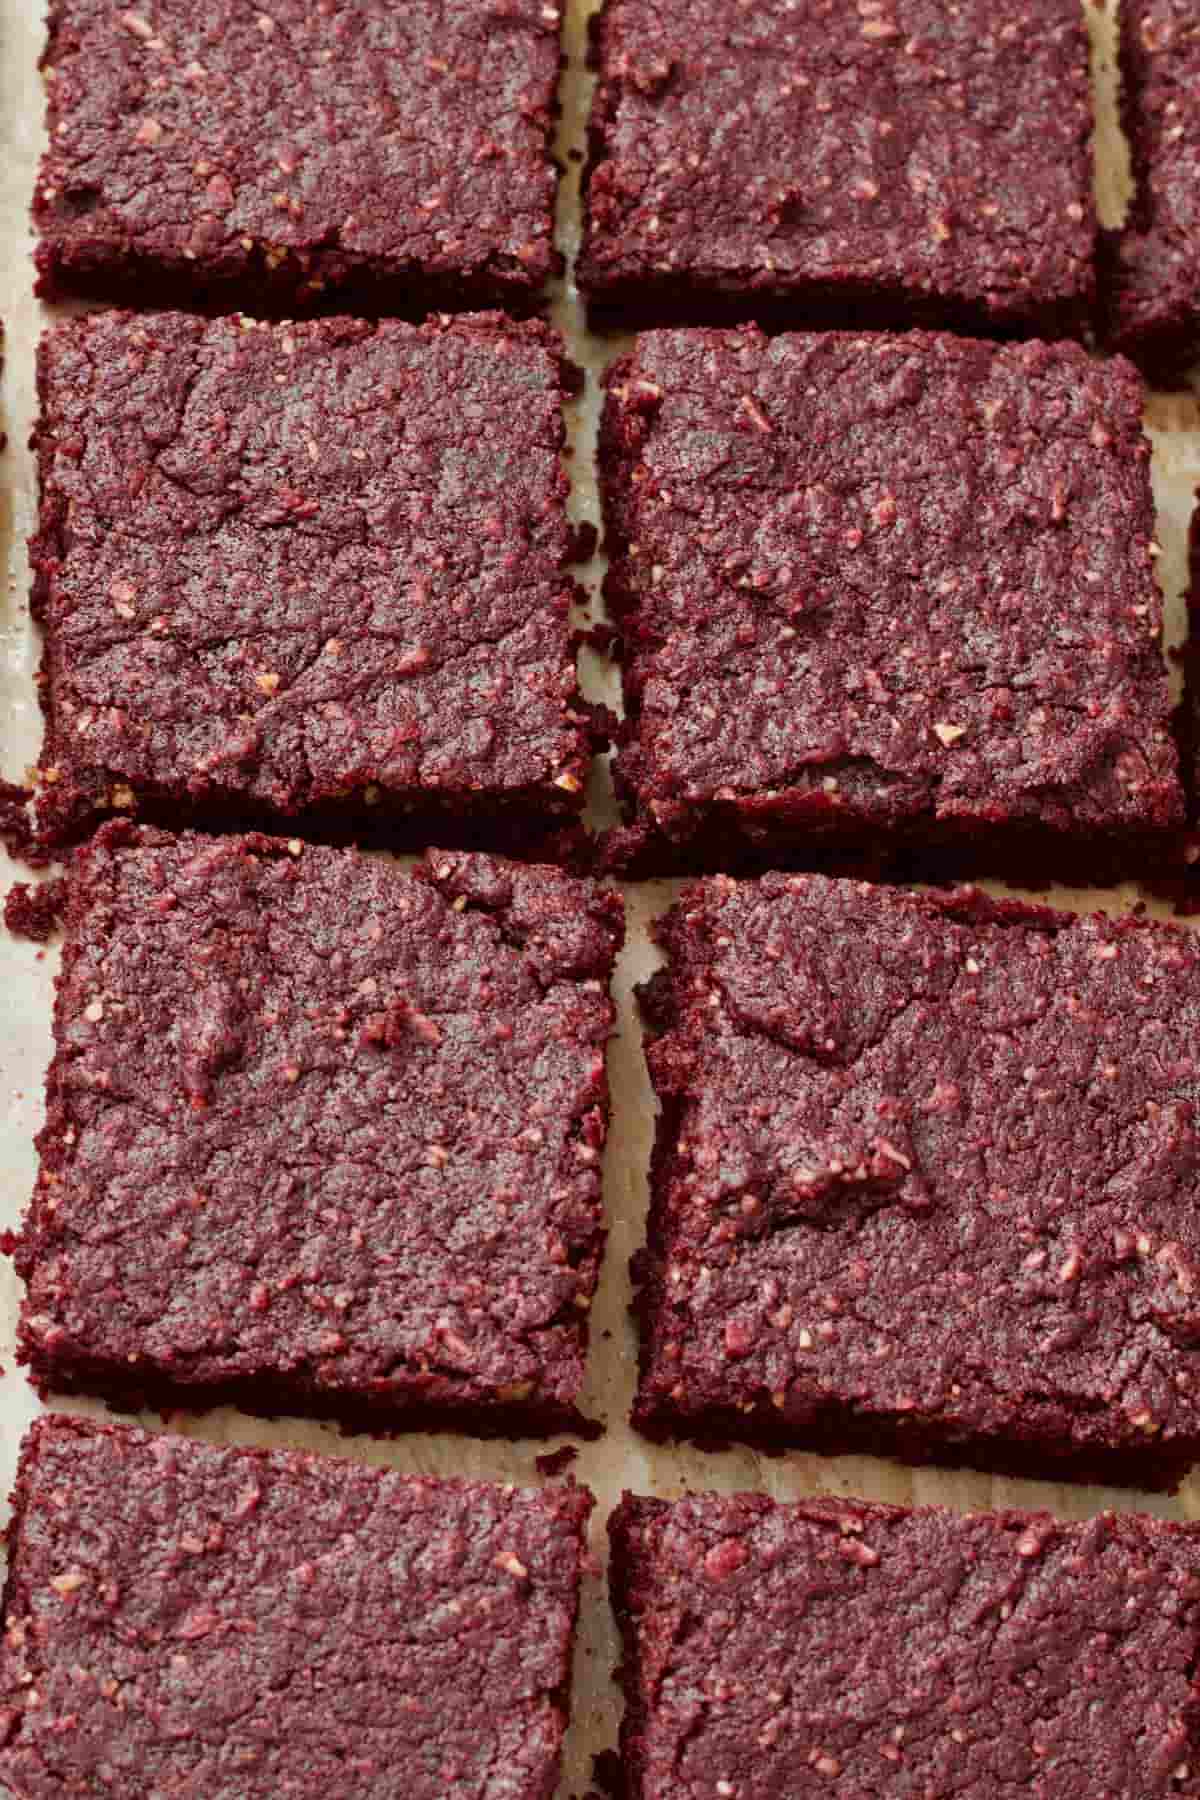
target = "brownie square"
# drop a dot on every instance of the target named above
(835, 1647)
(925, 1181)
(812, 162)
(378, 156)
(888, 596)
(322, 1136)
(1150, 287)
(188, 1619)
(308, 570)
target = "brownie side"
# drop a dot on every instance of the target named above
(833, 1646)
(924, 1183)
(379, 158)
(322, 1136)
(183, 1618)
(829, 165)
(1150, 284)
(887, 602)
(308, 571)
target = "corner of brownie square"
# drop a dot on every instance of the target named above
(925, 1181)
(323, 1136)
(383, 158)
(312, 570)
(186, 1618)
(1150, 266)
(813, 162)
(831, 1646)
(886, 597)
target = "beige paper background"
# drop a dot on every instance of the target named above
(619, 1459)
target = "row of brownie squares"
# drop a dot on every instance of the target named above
(884, 603)
(885, 162)
(325, 1136)
(182, 1618)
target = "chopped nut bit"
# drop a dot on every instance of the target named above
(949, 734)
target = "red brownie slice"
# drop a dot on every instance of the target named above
(821, 162)
(886, 598)
(832, 1647)
(323, 1136)
(311, 570)
(187, 1619)
(925, 1181)
(1150, 290)
(388, 157)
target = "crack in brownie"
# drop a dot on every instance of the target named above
(925, 1181)
(323, 1136)
(187, 1619)
(313, 571)
(816, 162)
(889, 601)
(835, 1647)
(379, 157)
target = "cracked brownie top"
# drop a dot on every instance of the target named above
(900, 581)
(280, 565)
(246, 1623)
(395, 155)
(322, 1124)
(928, 1164)
(835, 1647)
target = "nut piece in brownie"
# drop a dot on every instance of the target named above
(886, 596)
(836, 1647)
(925, 1182)
(825, 163)
(183, 1618)
(322, 1136)
(386, 157)
(1150, 282)
(308, 569)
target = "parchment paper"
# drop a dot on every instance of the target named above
(618, 1459)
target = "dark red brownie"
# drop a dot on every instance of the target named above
(385, 157)
(322, 1136)
(925, 1181)
(889, 597)
(832, 1647)
(1150, 290)
(187, 1619)
(824, 163)
(310, 569)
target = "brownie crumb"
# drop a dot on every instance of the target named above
(554, 1462)
(34, 910)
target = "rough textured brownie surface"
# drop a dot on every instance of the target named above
(1151, 290)
(833, 1647)
(322, 1135)
(394, 156)
(837, 163)
(886, 590)
(186, 1619)
(307, 568)
(925, 1180)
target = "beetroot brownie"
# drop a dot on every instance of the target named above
(1150, 290)
(187, 1619)
(818, 162)
(386, 157)
(925, 1181)
(888, 596)
(834, 1647)
(322, 1136)
(310, 569)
